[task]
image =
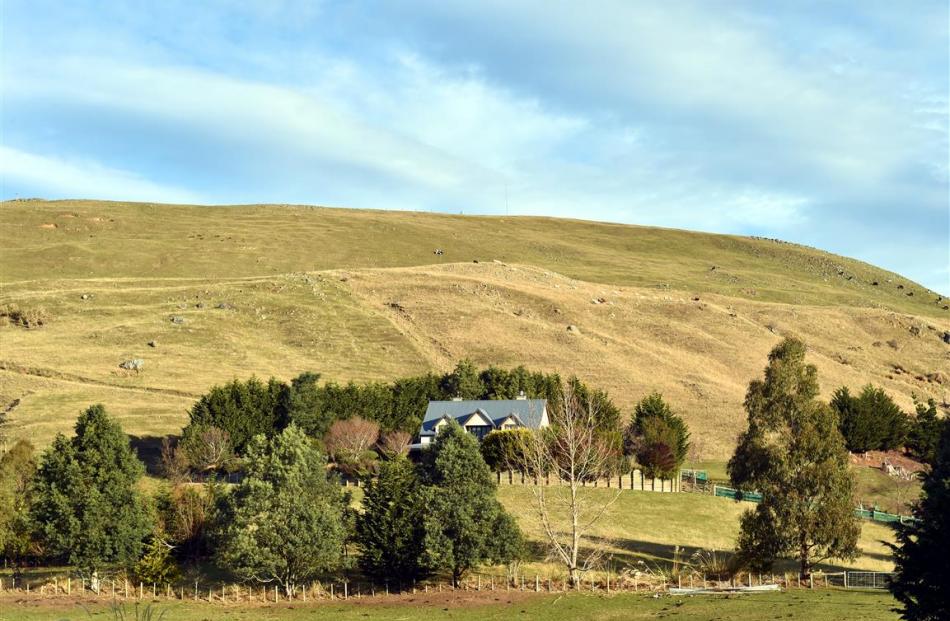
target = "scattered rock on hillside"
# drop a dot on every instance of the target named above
(200, 305)
(915, 330)
(946, 337)
(153, 343)
(937, 377)
(85, 296)
(225, 306)
(177, 319)
(135, 364)
(573, 329)
(892, 343)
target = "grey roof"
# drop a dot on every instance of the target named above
(528, 411)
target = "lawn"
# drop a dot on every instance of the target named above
(818, 605)
(648, 527)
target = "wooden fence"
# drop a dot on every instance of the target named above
(633, 481)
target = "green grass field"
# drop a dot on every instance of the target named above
(648, 527)
(804, 605)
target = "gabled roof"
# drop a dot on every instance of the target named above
(464, 420)
(529, 412)
(512, 416)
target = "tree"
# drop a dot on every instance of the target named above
(393, 444)
(870, 421)
(462, 508)
(463, 382)
(658, 438)
(17, 467)
(390, 532)
(924, 434)
(503, 449)
(188, 515)
(793, 453)
(303, 404)
(86, 507)
(243, 409)
(573, 451)
(349, 443)
(283, 522)
(920, 554)
(207, 449)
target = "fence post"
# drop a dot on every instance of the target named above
(845, 579)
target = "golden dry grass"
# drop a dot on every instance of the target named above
(313, 289)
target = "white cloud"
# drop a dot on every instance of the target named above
(83, 178)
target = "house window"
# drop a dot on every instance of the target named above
(479, 431)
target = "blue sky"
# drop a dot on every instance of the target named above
(817, 122)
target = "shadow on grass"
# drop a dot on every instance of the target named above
(149, 450)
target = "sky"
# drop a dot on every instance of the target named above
(823, 123)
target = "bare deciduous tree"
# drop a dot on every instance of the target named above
(174, 461)
(571, 452)
(347, 440)
(209, 449)
(395, 443)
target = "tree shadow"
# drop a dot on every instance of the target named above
(663, 556)
(149, 450)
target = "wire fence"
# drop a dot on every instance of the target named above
(866, 514)
(602, 582)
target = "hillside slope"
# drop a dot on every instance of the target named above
(361, 295)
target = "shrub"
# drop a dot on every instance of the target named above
(25, 317)
(157, 564)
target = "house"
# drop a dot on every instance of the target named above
(481, 417)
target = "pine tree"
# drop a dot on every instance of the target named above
(390, 531)
(924, 435)
(921, 558)
(463, 382)
(463, 510)
(283, 523)
(86, 508)
(794, 454)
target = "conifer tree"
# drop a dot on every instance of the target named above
(463, 512)
(390, 531)
(86, 508)
(921, 558)
(284, 522)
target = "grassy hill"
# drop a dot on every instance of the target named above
(275, 290)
